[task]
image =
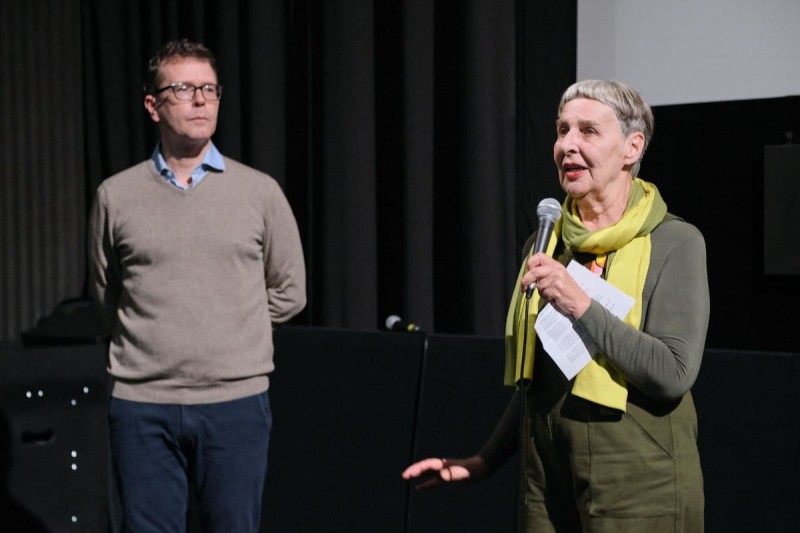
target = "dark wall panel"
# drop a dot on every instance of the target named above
(343, 407)
(54, 439)
(461, 401)
(748, 411)
(352, 409)
(708, 161)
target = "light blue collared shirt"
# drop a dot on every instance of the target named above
(211, 161)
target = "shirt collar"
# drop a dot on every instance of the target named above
(212, 160)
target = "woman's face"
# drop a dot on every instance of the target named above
(591, 152)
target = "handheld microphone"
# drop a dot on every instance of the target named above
(548, 211)
(395, 323)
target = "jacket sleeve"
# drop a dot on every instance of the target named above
(503, 443)
(663, 358)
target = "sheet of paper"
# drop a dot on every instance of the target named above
(562, 338)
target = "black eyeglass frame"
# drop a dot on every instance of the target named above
(202, 88)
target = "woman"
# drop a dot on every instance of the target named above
(613, 449)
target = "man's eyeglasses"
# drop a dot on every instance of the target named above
(186, 91)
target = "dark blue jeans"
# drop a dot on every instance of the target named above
(161, 451)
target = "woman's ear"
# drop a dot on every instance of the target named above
(635, 147)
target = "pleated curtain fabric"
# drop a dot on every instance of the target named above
(393, 126)
(43, 185)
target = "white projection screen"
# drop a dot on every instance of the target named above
(687, 51)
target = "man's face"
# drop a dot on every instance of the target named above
(184, 122)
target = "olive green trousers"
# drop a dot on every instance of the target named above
(590, 469)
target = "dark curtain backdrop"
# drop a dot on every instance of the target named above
(43, 179)
(392, 126)
(412, 137)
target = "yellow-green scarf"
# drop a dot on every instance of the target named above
(628, 243)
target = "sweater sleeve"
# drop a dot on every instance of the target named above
(503, 443)
(663, 359)
(104, 271)
(284, 265)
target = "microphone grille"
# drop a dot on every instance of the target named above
(391, 320)
(550, 209)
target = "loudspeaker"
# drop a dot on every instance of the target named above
(54, 439)
(781, 194)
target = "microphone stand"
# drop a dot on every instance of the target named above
(524, 439)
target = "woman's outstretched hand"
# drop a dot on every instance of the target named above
(436, 471)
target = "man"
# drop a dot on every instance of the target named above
(192, 257)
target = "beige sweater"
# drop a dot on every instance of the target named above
(191, 281)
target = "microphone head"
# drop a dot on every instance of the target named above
(550, 209)
(391, 320)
